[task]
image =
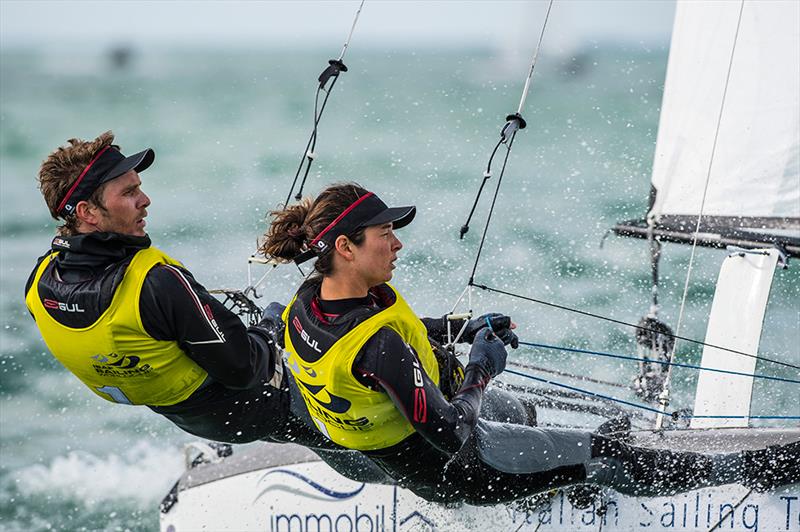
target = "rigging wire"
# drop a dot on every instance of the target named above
(639, 327)
(540, 369)
(352, 29)
(491, 209)
(533, 62)
(674, 415)
(663, 362)
(514, 122)
(507, 136)
(241, 301)
(664, 396)
(332, 71)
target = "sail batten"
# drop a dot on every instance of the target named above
(681, 230)
(753, 172)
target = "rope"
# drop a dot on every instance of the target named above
(491, 209)
(708, 174)
(674, 415)
(334, 68)
(667, 380)
(662, 362)
(620, 322)
(486, 175)
(581, 390)
(308, 154)
(352, 28)
(565, 374)
(533, 62)
(514, 123)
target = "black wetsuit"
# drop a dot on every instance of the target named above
(237, 403)
(456, 456)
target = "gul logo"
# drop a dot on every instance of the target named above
(63, 307)
(61, 242)
(213, 321)
(417, 371)
(420, 400)
(304, 335)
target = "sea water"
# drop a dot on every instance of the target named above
(416, 127)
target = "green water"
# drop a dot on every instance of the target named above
(228, 130)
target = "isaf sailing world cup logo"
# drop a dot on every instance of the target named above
(334, 403)
(119, 365)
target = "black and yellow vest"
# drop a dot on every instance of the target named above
(114, 356)
(347, 412)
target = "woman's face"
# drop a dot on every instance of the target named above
(374, 258)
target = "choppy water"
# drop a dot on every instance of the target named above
(228, 129)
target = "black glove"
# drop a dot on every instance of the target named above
(500, 325)
(273, 323)
(488, 352)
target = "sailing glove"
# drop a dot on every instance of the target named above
(500, 325)
(488, 352)
(272, 321)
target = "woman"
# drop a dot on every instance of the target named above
(369, 376)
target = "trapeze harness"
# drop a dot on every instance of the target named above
(343, 409)
(114, 356)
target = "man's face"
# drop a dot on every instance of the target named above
(125, 206)
(374, 258)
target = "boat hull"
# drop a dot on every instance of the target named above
(286, 488)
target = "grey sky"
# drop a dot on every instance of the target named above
(216, 24)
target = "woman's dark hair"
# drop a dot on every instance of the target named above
(295, 226)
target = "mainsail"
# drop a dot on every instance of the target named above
(730, 116)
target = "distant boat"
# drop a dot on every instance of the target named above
(120, 57)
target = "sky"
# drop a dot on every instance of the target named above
(217, 24)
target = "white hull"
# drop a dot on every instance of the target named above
(285, 488)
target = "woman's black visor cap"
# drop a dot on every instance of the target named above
(366, 211)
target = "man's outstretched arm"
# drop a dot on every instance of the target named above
(175, 307)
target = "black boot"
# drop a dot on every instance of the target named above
(618, 428)
(770, 468)
(583, 496)
(530, 411)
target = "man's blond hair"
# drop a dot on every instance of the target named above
(60, 171)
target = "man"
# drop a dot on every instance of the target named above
(131, 322)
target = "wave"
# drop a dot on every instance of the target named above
(138, 475)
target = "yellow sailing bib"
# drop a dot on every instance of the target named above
(343, 409)
(114, 356)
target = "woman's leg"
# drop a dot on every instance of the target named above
(647, 472)
(503, 406)
(502, 462)
(653, 472)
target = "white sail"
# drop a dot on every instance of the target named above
(755, 172)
